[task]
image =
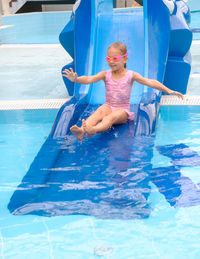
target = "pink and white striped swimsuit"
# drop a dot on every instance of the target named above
(118, 92)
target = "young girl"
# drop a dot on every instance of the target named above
(118, 82)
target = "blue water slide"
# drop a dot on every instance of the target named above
(138, 28)
(108, 175)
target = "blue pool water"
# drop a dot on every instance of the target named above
(34, 28)
(169, 231)
(44, 28)
(172, 228)
(32, 71)
(195, 25)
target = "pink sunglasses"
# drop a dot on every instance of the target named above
(115, 58)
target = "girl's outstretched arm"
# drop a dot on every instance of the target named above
(72, 76)
(154, 84)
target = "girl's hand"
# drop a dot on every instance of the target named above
(177, 93)
(70, 74)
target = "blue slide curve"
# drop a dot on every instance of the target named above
(108, 175)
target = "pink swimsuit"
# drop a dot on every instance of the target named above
(118, 92)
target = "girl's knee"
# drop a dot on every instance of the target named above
(111, 118)
(120, 117)
(108, 119)
(102, 111)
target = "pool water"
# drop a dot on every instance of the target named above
(172, 229)
(169, 232)
(33, 28)
(32, 71)
(193, 84)
(195, 25)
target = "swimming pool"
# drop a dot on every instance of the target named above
(195, 24)
(169, 231)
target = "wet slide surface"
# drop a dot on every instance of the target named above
(103, 176)
(128, 27)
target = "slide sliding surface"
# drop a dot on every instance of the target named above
(124, 25)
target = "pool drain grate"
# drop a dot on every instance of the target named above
(175, 100)
(57, 103)
(32, 104)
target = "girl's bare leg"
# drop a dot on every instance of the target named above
(116, 117)
(97, 116)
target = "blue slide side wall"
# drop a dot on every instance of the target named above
(179, 61)
(157, 33)
(75, 38)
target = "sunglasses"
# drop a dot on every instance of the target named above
(115, 58)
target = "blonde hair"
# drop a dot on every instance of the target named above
(121, 46)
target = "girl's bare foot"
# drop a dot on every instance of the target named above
(89, 130)
(78, 132)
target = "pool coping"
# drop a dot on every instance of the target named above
(32, 104)
(36, 104)
(168, 100)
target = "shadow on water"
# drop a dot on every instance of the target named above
(178, 190)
